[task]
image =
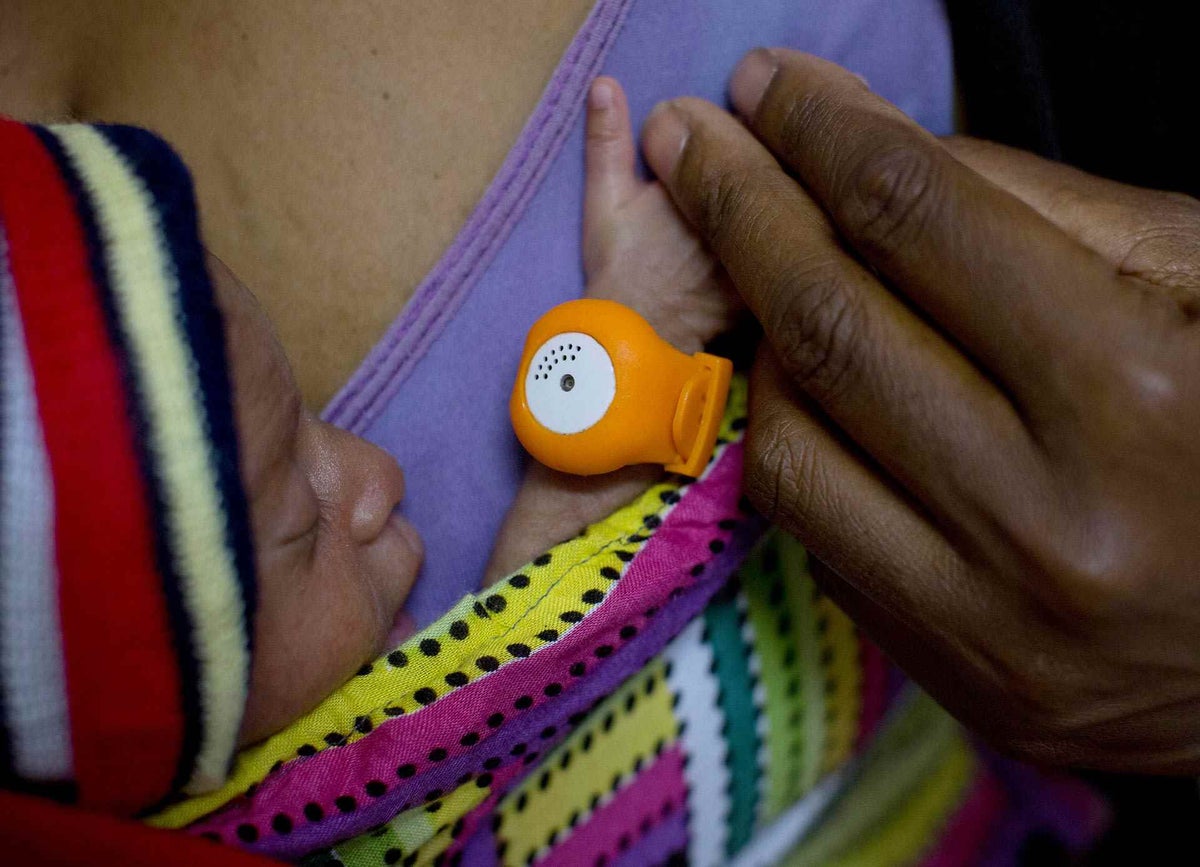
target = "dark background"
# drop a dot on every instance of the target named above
(1109, 87)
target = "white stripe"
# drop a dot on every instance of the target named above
(775, 842)
(690, 657)
(771, 844)
(128, 222)
(31, 660)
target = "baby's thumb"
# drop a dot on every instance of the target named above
(609, 150)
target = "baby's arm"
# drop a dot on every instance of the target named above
(637, 250)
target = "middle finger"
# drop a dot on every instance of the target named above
(1006, 283)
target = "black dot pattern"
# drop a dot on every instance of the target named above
(599, 736)
(493, 612)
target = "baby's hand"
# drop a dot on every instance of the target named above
(637, 249)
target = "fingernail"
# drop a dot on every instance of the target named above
(663, 137)
(750, 80)
(602, 95)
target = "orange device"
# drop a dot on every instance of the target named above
(598, 390)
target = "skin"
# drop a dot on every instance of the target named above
(337, 148)
(256, 96)
(638, 250)
(976, 403)
(335, 560)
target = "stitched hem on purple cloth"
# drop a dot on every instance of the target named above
(446, 287)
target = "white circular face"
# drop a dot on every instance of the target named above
(570, 383)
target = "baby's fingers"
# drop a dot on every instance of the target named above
(609, 150)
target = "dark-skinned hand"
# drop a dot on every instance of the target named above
(977, 403)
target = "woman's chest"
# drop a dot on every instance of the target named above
(336, 147)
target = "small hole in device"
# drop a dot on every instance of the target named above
(567, 382)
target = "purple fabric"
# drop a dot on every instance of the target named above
(434, 391)
(1041, 803)
(481, 848)
(656, 847)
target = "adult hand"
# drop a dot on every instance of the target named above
(978, 402)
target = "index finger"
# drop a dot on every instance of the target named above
(898, 388)
(1005, 282)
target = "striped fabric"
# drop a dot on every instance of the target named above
(126, 572)
(664, 689)
(667, 688)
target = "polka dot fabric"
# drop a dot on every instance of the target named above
(625, 698)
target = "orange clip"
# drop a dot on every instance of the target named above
(598, 390)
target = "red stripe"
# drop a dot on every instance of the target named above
(122, 685)
(36, 831)
(874, 690)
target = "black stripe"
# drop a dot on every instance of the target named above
(177, 612)
(168, 179)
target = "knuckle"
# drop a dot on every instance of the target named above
(1043, 715)
(1165, 254)
(732, 208)
(1093, 578)
(1154, 390)
(601, 135)
(892, 195)
(729, 196)
(1144, 396)
(817, 326)
(806, 117)
(782, 471)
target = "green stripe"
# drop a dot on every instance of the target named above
(367, 850)
(910, 748)
(801, 600)
(768, 610)
(731, 657)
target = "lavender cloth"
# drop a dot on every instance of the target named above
(434, 391)
(664, 845)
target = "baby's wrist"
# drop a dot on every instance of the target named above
(663, 317)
